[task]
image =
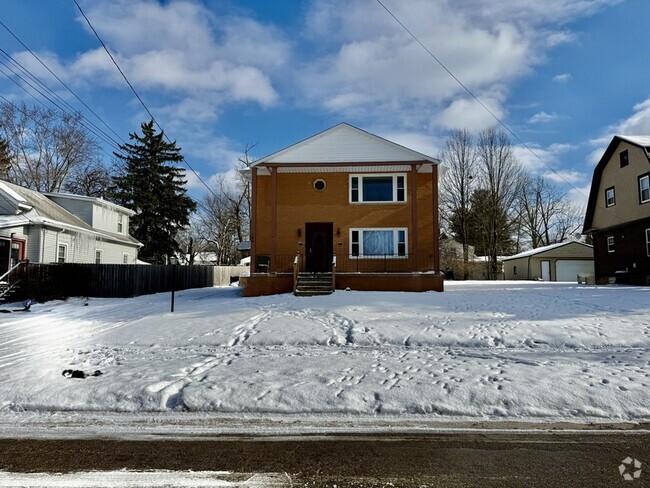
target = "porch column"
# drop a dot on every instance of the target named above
(253, 218)
(413, 238)
(436, 221)
(274, 215)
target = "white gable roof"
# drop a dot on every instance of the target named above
(344, 143)
(542, 249)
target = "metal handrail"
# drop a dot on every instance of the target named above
(296, 269)
(9, 272)
(334, 272)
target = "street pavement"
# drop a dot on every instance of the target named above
(455, 459)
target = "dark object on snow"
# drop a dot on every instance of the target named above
(77, 373)
(26, 304)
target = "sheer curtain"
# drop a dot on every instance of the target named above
(377, 242)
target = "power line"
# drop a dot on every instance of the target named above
(494, 116)
(59, 79)
(38, 100)
(136, 93)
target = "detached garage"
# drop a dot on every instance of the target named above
(557, 262)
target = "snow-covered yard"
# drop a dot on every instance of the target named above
(506, 350)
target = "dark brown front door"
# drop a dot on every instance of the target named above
(319, 246)
(5, 245)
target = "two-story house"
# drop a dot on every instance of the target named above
(618, 212)
(344, 205)
(61, 228)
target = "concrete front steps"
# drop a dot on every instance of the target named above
(310, 284)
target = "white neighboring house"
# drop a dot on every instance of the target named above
(62, 228)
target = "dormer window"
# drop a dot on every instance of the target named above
(610, 197)
(120, 224)
(624, 158)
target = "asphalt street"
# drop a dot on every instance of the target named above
(458, 459)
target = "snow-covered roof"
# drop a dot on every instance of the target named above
(95, 200)
(343, 145)
(637, 140)
(539, 250)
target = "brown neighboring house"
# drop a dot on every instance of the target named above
(618, 212)
(344, 208)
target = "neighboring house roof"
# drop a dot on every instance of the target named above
(40, 210)
(542, 249)
(95, 200)
(341, 145)
(640, 141)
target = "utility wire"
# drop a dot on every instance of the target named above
(485, 107)
(38, 100)
(136, 94)
(59, 79)
(94, 129)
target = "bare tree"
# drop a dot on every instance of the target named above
(501, 178)
(44, 146)
(91, 179)
(547, 217)
(459, 155)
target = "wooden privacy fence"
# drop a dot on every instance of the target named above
(52, 281)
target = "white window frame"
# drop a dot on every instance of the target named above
(395, 230)
(610, 244)
(607, 200)
(120, 224)
(125, 258)
(65, 253)
(360, 177)
(647, 179)
(101, 256)
(647, 242)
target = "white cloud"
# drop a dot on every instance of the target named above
(562, 78)
(372, 68)
(464, 113)
(185, 49)
(542, 117)
(569, 177)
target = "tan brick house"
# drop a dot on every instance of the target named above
(345, 208)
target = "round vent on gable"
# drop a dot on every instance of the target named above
(319, 185)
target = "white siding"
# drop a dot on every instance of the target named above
(106, 219)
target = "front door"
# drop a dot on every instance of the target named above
(546, 271)
(5, 249)
(319, 246)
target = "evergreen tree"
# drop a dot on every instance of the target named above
(150, 183)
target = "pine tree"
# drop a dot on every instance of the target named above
(150, 183)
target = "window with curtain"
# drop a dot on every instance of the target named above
(378, 242)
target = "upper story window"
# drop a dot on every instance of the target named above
(610, 243)
(644, 188)
(120, 224)
(624, 158)
(610, 197)
(377, 188)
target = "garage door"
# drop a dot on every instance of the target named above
(569, 270)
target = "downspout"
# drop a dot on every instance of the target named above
(528, 269)
(41, 250)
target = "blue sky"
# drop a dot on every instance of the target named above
(564, 75)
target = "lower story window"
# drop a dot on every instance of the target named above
(647, 242)
(378, 242)
(61, 253)
(125, 258)
(98, 256)
(610, 243)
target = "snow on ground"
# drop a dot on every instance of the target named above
(480, 350)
